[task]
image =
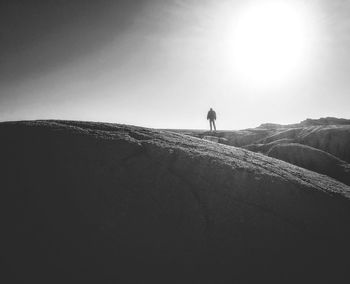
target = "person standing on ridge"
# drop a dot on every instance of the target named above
(211, 116)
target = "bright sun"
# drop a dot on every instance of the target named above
(270, 42)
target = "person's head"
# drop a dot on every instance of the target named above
(211, 109)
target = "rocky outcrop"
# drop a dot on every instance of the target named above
(325, 121)
(264, 148)
(308, 122)
(320, 134)
(332, 139)
(237, 138)
(312, 159)
(114, 203)
(215, 139)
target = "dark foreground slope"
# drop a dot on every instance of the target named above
(88, 202)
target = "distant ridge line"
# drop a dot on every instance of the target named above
(309, 122)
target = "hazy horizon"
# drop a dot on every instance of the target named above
(163, 64)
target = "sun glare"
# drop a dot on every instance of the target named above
(270, 42)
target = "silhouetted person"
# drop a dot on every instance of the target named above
(211, 117)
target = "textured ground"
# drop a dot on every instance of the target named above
(312, 159)
(321, 145)
(104, 203)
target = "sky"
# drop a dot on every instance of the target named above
(163, 64)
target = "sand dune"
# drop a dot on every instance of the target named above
(106, 203)
(332, 139)
(326, 136)
(312, 159)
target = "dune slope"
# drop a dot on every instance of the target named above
(312, 159)
(105, 202)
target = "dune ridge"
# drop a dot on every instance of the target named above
(326, 136)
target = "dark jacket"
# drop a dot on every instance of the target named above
(211, 115)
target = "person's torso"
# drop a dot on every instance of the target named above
(211, 114)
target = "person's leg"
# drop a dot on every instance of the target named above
(210, 122)
(214, 125)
